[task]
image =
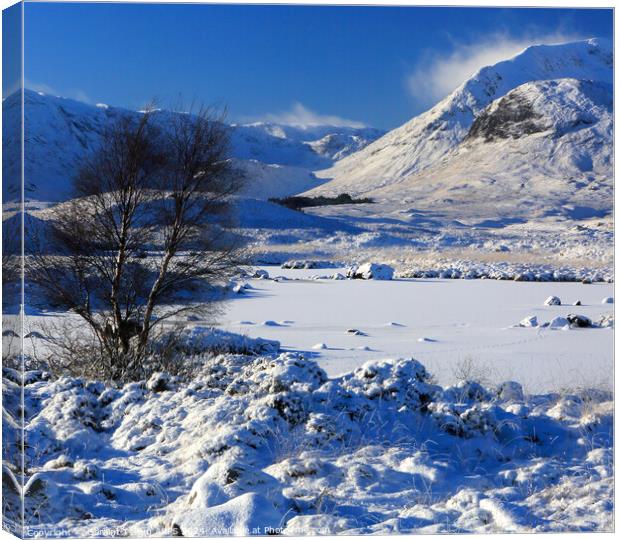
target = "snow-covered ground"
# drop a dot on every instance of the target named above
(264, 445)
(342, 431)
(446, 324)
(457, 327)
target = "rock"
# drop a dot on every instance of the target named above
(607, 300)
(320, 346)
(238, 289)
(559, 323)
(260, 274)
(510, 391)
(529, 322)
(371, 271)
(579, 321)
(553, 301)
(270, 323)
(586, 281)
(338, 276)
(577, 303)
(356, 332)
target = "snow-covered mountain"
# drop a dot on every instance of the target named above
(59, 132)
(312, 147)
(430, 138)
(543, 149)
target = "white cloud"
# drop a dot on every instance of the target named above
(299, 115)
(439, 74)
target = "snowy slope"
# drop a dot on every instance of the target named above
(427, 138)
(57, 134)
(543, 149)
(265, 180)
(60, 132)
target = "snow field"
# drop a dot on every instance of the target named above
(443, 323)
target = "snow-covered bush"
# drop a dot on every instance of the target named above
(405, 382)
(201, 339)
(255, 442)
(510, 391)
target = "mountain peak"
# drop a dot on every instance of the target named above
(427, 138)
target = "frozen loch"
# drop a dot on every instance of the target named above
(465, 322)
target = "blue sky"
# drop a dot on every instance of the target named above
(377, 66)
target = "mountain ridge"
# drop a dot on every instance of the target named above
(59, 132)
(538, 151)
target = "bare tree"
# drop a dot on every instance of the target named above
(148, 223)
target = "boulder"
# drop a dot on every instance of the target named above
(579, 321)
(529, 322)
(260, 274)
(607, 300)
(553, 301)
(559, 322)
(371, 271)
(356, 332)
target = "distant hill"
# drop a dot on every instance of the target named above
(59, 132)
